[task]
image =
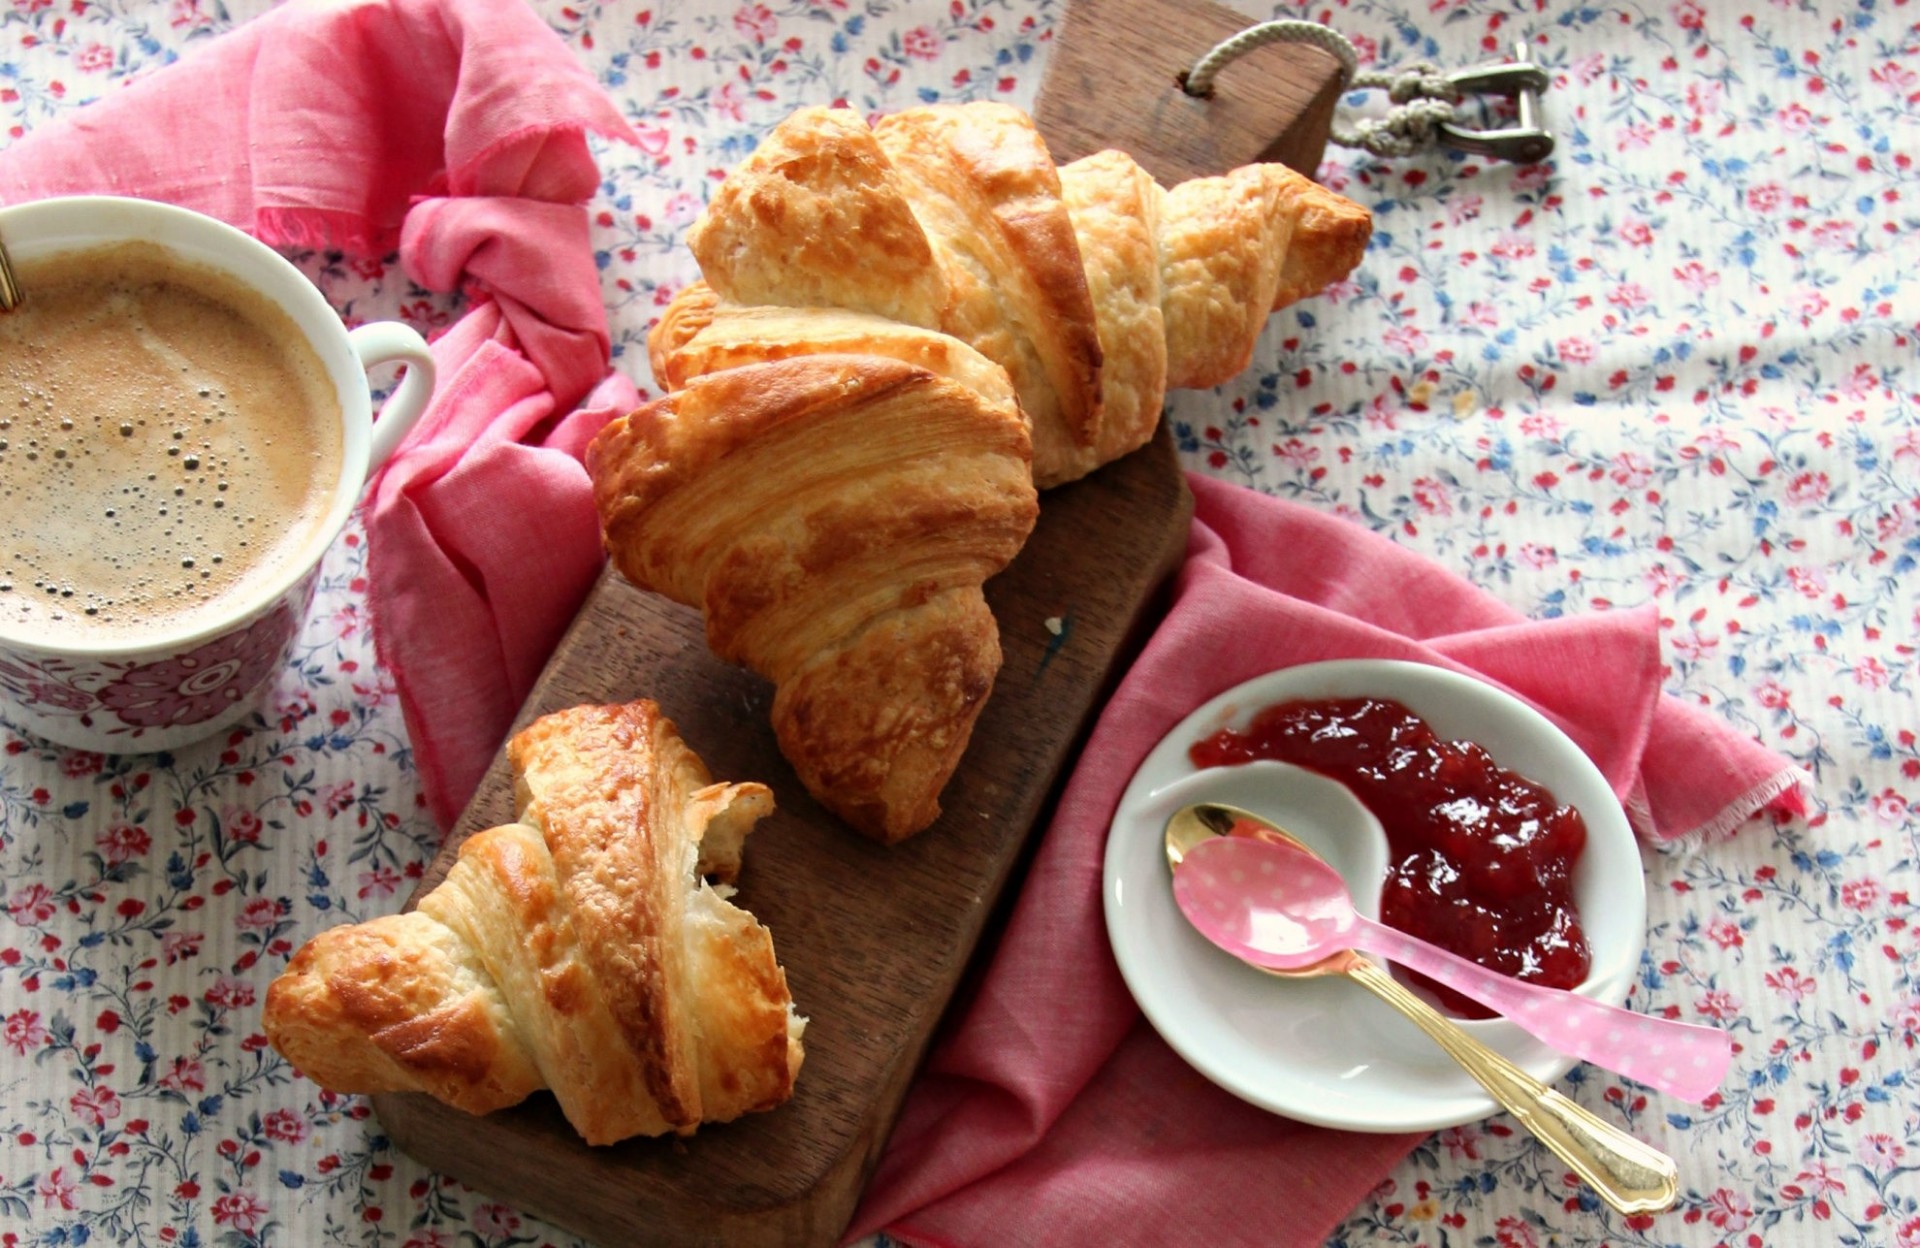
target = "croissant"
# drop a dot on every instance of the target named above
(834, 516)
(1094, 287)
(578, 949)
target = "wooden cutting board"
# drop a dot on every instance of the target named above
(875, 939)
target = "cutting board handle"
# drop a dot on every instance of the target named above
(1115, 80)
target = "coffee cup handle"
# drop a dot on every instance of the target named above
(388, 342)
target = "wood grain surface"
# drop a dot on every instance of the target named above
(1114, 81)
(874, 938)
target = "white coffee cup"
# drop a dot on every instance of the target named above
(189, 681)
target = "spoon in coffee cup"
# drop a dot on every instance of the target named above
(10, 295)
(1630, 1175)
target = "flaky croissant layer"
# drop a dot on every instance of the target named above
(1094, 287)
(580, 949)
(833, 517)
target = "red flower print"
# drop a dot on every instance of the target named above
(1511, 1232)
(284, 1125)
(1908, 1234)
(1719, 1005)
(1810, 582)
(1880, 1152)
(495, 1220)
(123, 842)
(1820, 1178)
(1871, 673)
(379, 882)
(1889, 808)
(1536, 556)
(228, 993)
(1688, 15)
(1696, 277)
(31, 906)
(339, 798)
(1541, 425)
(56, 1190)
(1483, 314)
(1628, 295)
(1765, 197)
(1694, 647)
(1896, 78)
(428, 1237)
(1575, 350)
(179, 946)
(1635, 231)
(681, 208)
(1405, 339)
(1860, 895)
(1703, 97)
(1790, 983)
(921, 44)
(77, 763)
(93, 58)
(23, 1032)
(756, 22)
(1630, 471)
(1836, 235)
(243, 1211)
(1461, 1142)
(260, 914)
(186, 1075)
(1729, 1210)
(1795, 119)
(1512, 245)
(1433, 497)
(1772, 694)
(95, 1105)
(198, 685)
(1297, 454)
(241, 825)
(1725, 933)
(1809, 304)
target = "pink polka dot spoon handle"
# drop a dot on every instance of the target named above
(1265, 902)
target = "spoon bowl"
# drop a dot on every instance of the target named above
(1193, 826)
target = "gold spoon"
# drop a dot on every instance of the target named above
(9, 285)
(1629, 1175)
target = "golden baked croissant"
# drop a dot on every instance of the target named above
(1092, 285)
(834, 516)
(578, 949)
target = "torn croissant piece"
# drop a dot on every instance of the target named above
(578, 949)
(1094, 287)
(833, 516)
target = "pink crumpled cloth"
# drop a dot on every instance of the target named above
(1050, 1112)
(454, 130)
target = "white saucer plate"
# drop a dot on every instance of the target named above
(1325, 1050)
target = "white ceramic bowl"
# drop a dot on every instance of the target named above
(1325, 1050)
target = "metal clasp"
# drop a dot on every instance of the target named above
(1525, 142)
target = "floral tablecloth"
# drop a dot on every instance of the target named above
(1675, 364)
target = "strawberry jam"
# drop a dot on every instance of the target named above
(1480, 860)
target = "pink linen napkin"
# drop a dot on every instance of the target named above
(454, 130)
(1049, 1111)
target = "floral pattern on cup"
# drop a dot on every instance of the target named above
(36, 687)
(194, 687)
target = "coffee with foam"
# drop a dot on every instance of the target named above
(168, 441)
